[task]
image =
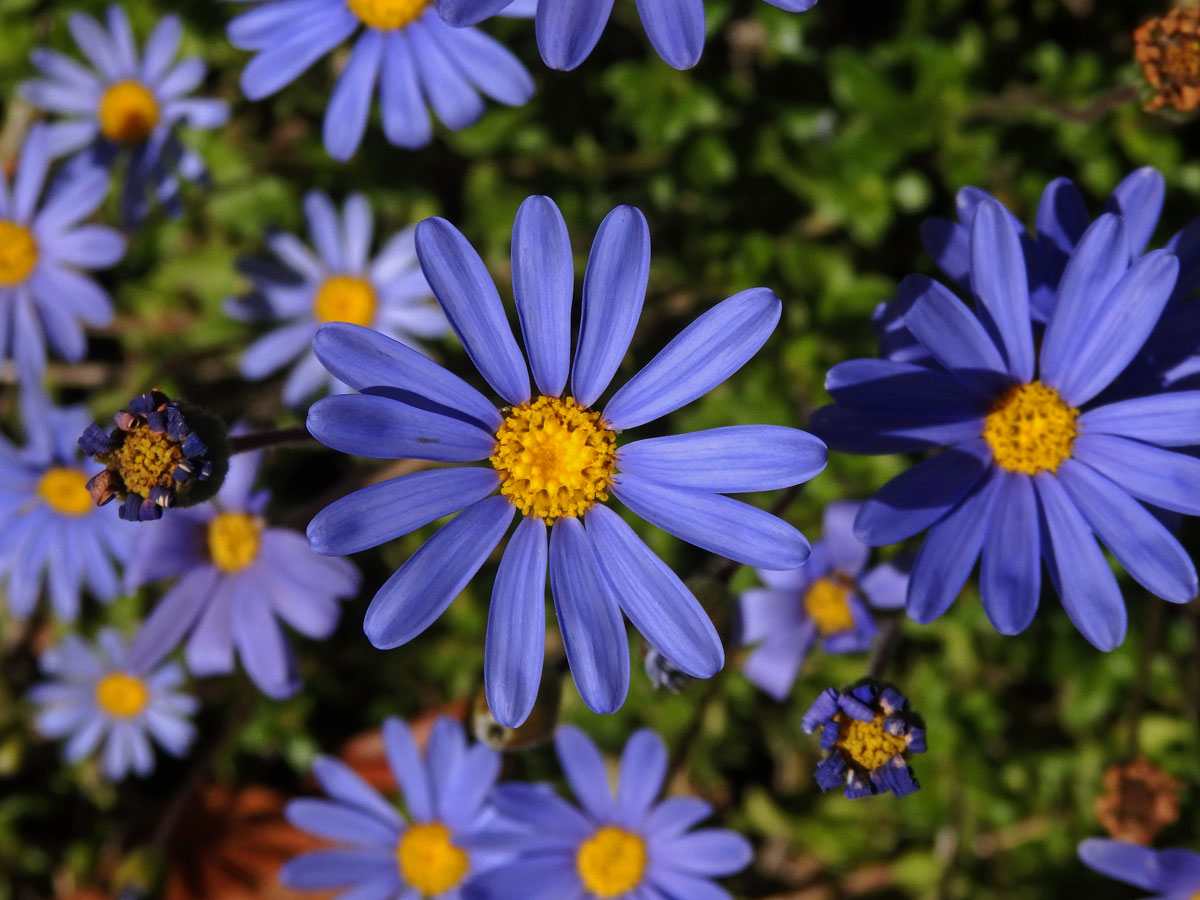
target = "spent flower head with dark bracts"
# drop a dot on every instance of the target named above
(1170, 874)
(868, 735)
(162, 453)
(1168, 49)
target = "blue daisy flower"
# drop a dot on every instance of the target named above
(623, 845)
(51, 533)
(825, 599)
(238, 578)
(44, 253)
(447, 839)
(555, 459)
(337, 284)
(127, 109)
(568, 30)
(1171, 874)
(1040, 465)
(112, 696)
(414, 57)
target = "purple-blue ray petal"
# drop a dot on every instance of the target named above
(350, 103)
(675, 28)
(1160, 477)
(583, 765)
(406, 764)
(642, 775)
(567, 30)
(383, 428)
(999, 280)
(543, 278)
(1169, 420)
(1010, 575)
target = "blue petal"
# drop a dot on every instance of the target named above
(161, 47)
(949, 243)
(324, 869)
(672, 883)
(406, 121)
(551, 877)
(1062, 216)
(1160, 477)
(284, 62)
(88, 247)
(1181, 870)
(1169, 420)
(346, 114)
(406, 764)
(453, 98)
(950, 331)
(337, 822)
(469, 12)
(277, 348)
(583, 766)
(567, 30)
(263, 649)
(173, 617)
(342, 783)
(551, 817)
(32, 167)
(1129, 863)
(543, 277)
(383, 428)
(999, 280)
(643, 773)
(486, 63)
(1138, 199)
(854, 431)
(1010, 577)
(897, 388)
(675, 28)
(675, 815)
(710, 852)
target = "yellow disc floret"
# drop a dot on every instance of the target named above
(867, 743)
(827, 602)
(428, 861)
(387, 15)
(1031, 429)
(345, 298)
(555, 458)
(128, 112)
(122, 695)
(147, 458)
(611, 862)
(65, 491)
(233, 540)
(18, 253)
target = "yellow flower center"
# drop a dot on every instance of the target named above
(866, 742)
(555, 458)
(65, 491)
(147, 458)
(18, 253)
(121, 695)
(611, 862)
(233, 540)
(387, 14)
(345, 298)
(827, 602)
(128, 113)
(428, 861)
(1031, 429)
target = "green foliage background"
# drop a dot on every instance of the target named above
(801, 155)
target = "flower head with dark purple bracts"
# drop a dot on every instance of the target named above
(1171, 874)
(822, 600)
(622, 845)
(113, 696)
(127, 108)
(1041, 463)
(554, 458)
(161, 454)
(337, 284)
(237, 579)
(413, 56)
(51, 533)
(44, 251)
(868, 735)
(436, 853)
(568, 30)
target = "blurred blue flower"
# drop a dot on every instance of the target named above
(50, 530)
(111, 695)
(568, 30)
(868, 736)
(1039, 466)
(337, 284)
(127, 108)
(44, 252)
(436, 853)
(237, 579)
(555, 460)
(823, 599)
(414, 57)
(1171, 874)
(615, 846)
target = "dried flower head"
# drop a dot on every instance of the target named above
(1168, 49)
(1138, 802)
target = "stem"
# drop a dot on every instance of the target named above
(1137, 695)
(243, 443)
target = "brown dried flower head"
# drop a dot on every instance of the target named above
(1168, 49)
(1138, 802)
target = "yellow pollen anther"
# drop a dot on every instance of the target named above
(233, 540)
(387, 14)
(128, 112)
(555, 458)
(345, 298)
(121, 695)
(827, 602)
(866, 742)
(1030, 429)
(428, 861)
(147, 458)
(65, 491)
(611, 862)
(18, 253)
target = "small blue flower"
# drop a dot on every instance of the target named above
(51, 533)
(413, 56)
(237, 579)
(552, 457)
(1171, 874)
(568, 30)
(1040, 463)
(337, 284)
(111, 695)
(127, 108)
(624, 845)
(447, 839)
(44, 252)
(823, 599)
(868, 735)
